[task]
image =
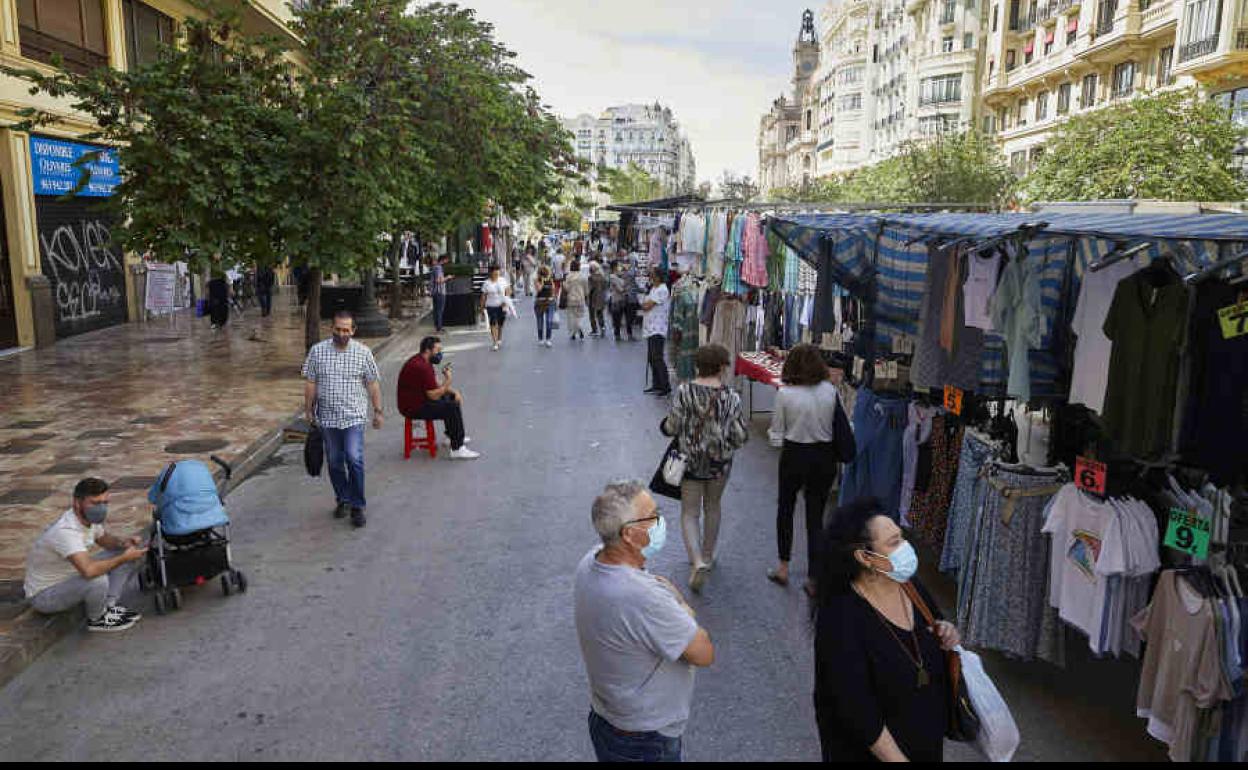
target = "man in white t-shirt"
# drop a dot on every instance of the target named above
(656, 309)
(61, 573)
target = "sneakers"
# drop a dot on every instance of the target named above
(464, 453)
(110, 622)
(341, 511)
(124, 612)
(549, 344)
(357, 518)
(497, 345)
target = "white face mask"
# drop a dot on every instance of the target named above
(905, 562)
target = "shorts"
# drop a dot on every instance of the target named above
(497, 315)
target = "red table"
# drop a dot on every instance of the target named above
(759, 367)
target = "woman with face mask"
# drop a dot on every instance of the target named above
(881, 682)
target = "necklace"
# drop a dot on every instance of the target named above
(916, 657)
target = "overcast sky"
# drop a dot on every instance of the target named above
(718, 65)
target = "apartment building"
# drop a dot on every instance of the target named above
(59, 273)
(1049, 59)
(789, 133)
(894, 71)
(646, 135)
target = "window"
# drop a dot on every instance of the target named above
(1087, 98)
(1165, 66)
(1020, 114)
(808, 119)
(1029, 53)
(1124, 80)
(1063, 98)
(851, 102)
(1106, 11)
(945, 89)
(947, 11)
(1072, 30)
(1042, 106)
(1200, 28)
(147, 29)
(970, 5)
(72, 29)
(968, 41)
(990, 125)
(1011, 60)
(996, 14)
(946, 44)
(1014, 13)
(1018, 162)
(1036, 154)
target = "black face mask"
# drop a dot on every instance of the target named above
(435, 360)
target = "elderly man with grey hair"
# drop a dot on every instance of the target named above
(638, 635)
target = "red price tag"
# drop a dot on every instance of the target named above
(953, 399)
(1090, 476)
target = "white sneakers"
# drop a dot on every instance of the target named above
(495, 348)
(446, 442)
(464, 453)
(549, 344)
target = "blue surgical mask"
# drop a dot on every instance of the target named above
(658, 537)
(905, 563)
(435, 360)
(95, 514)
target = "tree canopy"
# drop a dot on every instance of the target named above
(1176, 145)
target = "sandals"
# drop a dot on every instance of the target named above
(775, 577)
(698, 580)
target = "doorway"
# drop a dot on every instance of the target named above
(8, 314)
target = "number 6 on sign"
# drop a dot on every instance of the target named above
(1090, 476)
(953, 399)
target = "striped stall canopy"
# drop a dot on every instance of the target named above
(893, 248)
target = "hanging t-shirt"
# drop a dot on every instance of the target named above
(1146, 326)
(1017, 314)
(932, 366)
(1092, 352)
(1080, 527)
(1217, 406)
(981, 284)
(1182, 664)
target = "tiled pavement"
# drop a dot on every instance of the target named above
(121, 403)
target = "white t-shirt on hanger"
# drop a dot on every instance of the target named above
(1090, 378)
(981, 284)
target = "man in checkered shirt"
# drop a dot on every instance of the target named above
(341, 377)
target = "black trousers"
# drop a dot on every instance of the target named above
(810, 468)
(622, 317)
(658, 366)
(449, 413)
(266, 301)
(597, 322)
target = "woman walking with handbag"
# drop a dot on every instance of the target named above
(804, 425)
(707, 419)
(882, 683)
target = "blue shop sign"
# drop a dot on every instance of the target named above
(52, 165)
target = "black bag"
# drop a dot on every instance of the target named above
(843, 436)
(658, 484)
(964, 723)
(563, 299)
(314, 451)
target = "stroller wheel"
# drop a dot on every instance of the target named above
(161, 608)
(226, 587)
(240, 581)
(175, 599)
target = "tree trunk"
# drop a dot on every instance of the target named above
(312, 321)
(396, 288)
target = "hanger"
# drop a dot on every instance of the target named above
(1119, 253)
(1160, 272)
(1202, 275)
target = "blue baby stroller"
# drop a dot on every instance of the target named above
(190, 535)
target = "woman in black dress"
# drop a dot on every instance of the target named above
(881, 682)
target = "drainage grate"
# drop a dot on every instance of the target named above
(196, 446)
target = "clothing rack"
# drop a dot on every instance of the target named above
(1119, 254)
(1199, 277)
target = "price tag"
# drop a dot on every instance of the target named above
(1234, 321)
(953, 399)
(1090, 476)
(1188, 532)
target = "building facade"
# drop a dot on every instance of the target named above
(788, 135)
(1051, 59)
(895, 71)
(60, 274)
(646, 135)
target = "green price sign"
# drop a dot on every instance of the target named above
(1189, 533)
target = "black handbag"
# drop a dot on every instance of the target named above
(314, 451)
(964, 723)
(843, 436)
(658, 484)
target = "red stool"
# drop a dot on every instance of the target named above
(428, 443)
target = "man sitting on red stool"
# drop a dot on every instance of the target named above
(422, 398)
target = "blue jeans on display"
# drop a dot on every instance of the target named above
(439, 308)
(344, 453)
(876, 472)
(611, 745)
(545, 322)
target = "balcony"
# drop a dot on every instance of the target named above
(1054, 8)
(47, 49)
(1106, 17)
(1241, 40)
(1156, 15)
(1199, 48)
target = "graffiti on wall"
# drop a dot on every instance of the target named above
(85, 268)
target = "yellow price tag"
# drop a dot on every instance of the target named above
(1234, 320)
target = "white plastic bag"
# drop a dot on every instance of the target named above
(998, 734)
(557, 323)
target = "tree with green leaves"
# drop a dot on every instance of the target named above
(1177, 145)
(632, 184)
(738, 188)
